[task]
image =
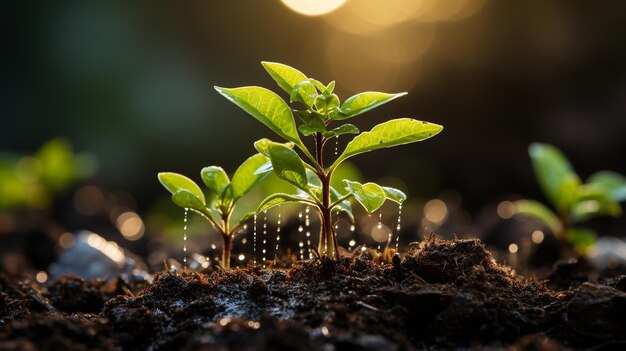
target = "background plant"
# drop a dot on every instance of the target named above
(320, 108)
(222, 195)
(573, 200)
(32, 181)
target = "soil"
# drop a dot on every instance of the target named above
(442, 294)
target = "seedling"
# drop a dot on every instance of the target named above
(320, 108)
(573, 200)
(222, 196)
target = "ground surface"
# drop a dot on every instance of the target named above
(443, 294)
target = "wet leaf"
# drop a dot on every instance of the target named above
(370, 195)
(186, 199)
(555, 175)
(215, 179)
(287, 78)
(344, 129)
(593, 201)
(247, 176)
(612, 182)
(174, 182)
(388, 134)
(539, 211)
(279, 198)
(286, 163)
(394, 194)
(582, 238)
(267, 107)
(363, 102)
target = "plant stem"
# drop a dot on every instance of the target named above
(328, 242)
(226, 251)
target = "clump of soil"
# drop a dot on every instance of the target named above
(443, 294)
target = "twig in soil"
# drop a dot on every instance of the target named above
(368, 306)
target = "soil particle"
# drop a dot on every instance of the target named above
(442, 294)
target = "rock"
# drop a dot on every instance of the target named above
(598, 311)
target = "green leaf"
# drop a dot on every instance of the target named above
(343, 206)
(555, 175)
(311, 119)
(344, 129)
(582, 238)
(592, 201)
(363, 102)
(243, 220)
(286, 163)
(279, 198)
(307, 130)
(287, 78)
(539, 211)
(295, 92)
(267, 107)
(391, 133)
(370, 195)
(186, 199)
(394, 194)
(174, 182)
(215, 179)
(330, 87)
(247, 176)
(612, 182)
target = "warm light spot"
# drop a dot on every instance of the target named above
(42, 277)
(436, 211)
(537, 237)
(506, 209)
(66, 240)
(108, 248)
(352, 243)
(380, 233)
(513, 248)
(213, 246)
(242, 257)
(313, 7)
(224, 321)
(130, 225)
(352, 228)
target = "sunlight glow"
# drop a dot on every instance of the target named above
(313, 7)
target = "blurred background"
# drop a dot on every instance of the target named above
(130, 84)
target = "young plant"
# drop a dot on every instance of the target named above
(221, 197)
(320, 108)
(573, 200)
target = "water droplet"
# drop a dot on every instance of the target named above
(254, 240)
(307, 223)
(351, 244)
(213, 246)
(337, 145)
(398, 226)
(277, 237)
(264, 236)
(352, 228)
(242, 257)
(185, 236)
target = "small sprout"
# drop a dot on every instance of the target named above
(573, 200)
(311, 174)
(222, 195)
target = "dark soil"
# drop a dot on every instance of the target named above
(443, 294)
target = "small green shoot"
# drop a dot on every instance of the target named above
(572, 200)
(307, 170)
(221, 196)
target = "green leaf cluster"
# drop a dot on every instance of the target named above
(217, 203)
(573, 200)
